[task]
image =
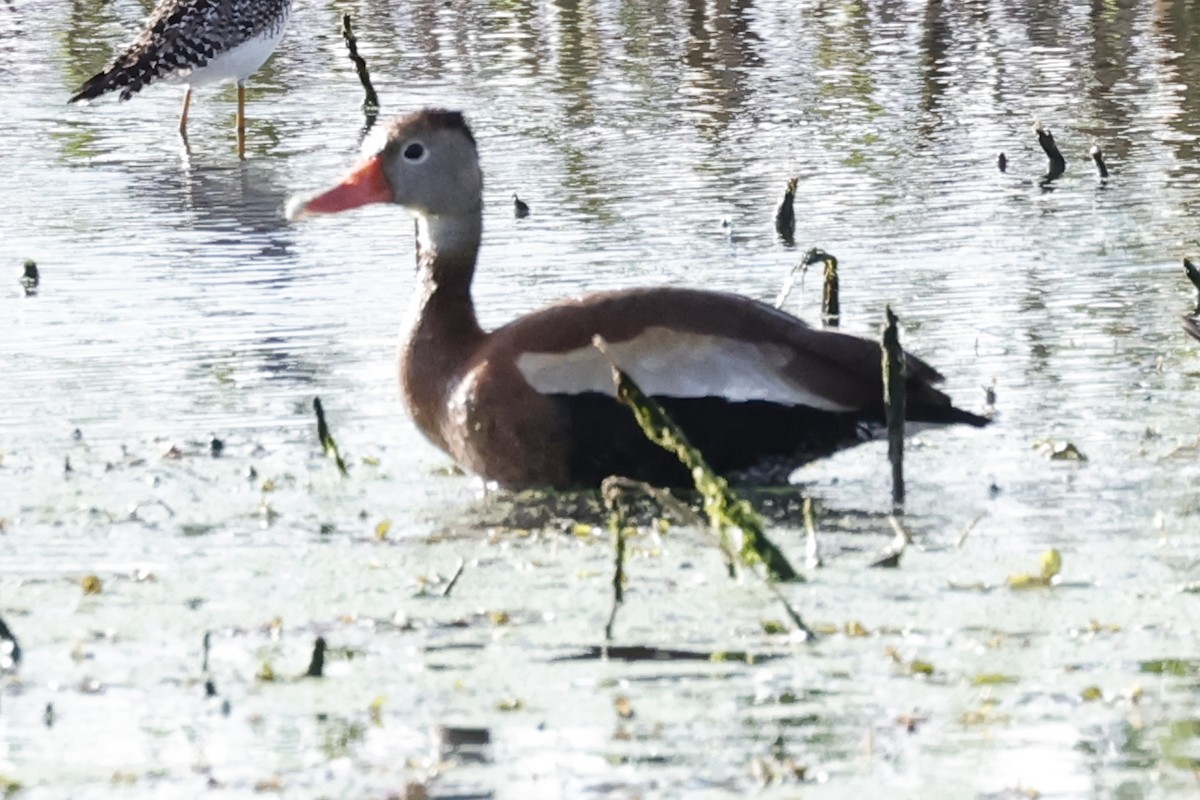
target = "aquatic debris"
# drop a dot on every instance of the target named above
(370, 105)
(520, 207)
(785, 213)
(812, 551)
(992, 679)
(901, 540)
(723, 507)
(1189, 269)
(856, 630)
(778, 766)
(1058, 164)
(1098, 158)
(215, 447)
(894, 401)
(30, 278)
(636, 653)
(1176, 667)
(772, 627)
(510, 704)
(1057, 450)
(382, 529)
(613, 498)
(1051, 566)
(316, 664)
(48, 715)
(1090, 694)
(91, 584)
(10, 649)
(966, 531)
(831, 309)
(327, 443)
(1002, 161)
(266, 673)
(450, 584)
(623, 707)
(375, 711)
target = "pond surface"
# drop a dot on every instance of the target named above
(652, 141)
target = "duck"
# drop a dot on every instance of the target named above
(196, 42)
(532, 404)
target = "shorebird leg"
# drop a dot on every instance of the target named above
(187, 101)
(241, 120)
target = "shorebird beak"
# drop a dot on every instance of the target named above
(365, 184)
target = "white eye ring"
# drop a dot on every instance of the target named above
(415, 152)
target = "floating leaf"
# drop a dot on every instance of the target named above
(510, 704)
(992, 679)
(856, 629)
(1057, 450)
(381, 530)
(499, 617)
(919, 667)
(91, 584)
(1178, 667)
(1091, 694)
(773, 627)
(375, 710)
(266, 673)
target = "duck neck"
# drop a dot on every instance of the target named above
(443, 330)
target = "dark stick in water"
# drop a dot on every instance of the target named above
(831, 310)
(894, 404)
(370, 104)
(520, 207)
(1098, 157)
(1058, 164)
(327, 443)
(1002, 162)
(316, 665)
(785, 213)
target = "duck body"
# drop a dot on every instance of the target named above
(533, 402)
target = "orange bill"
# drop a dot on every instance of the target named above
(365, 184)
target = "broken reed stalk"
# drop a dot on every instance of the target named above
(894, 403)
(831, 310)
(723, 508)
(316, 664)
(458, 571)
(616, 523)
(1192, 272)
(785, 213)
(1098, 157)
(1058, 164)
(370, 104)
(327, 443)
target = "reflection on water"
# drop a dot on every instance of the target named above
(176, 302)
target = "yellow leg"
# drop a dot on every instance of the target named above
(241, 120)
(187, 101)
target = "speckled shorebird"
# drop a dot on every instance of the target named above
(196, 42)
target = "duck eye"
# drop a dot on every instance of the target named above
(415, 152)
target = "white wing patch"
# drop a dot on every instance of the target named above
(670, 363)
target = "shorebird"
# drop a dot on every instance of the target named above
(532, 403)
(196, 42)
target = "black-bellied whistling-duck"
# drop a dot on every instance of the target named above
(532, 403)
